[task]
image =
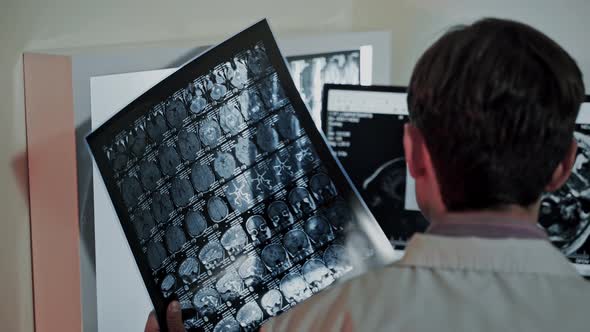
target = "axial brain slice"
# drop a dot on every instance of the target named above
(318, 229)
(175, 113)
(175, 239)
(161, 206)
(202, 177)
(169, 159)
(131, 191)
(217, 209)
(149, 175)
(296, 243)
(195, 223)
(156, 254)
(188, 144)
(181, 191)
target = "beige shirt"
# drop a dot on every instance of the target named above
(454, 284)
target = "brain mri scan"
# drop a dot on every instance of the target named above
(237, 73)
(211, 255)
(217, 209)
(206, 301)
(149, 175)
(318, 230)
(301, 201)
(251, 106)
(297, 243)
(230, 119)
(250, 315)
(229, 286)
(202, 177)
(156, 127)
(195, 223)
(188, 144)
(317, 275)
(216, 88)
(246, 151)
(272, 302)
(323, 188)
(168, 285)
(175, 113)
(273, 93)
(137, 142)
(189, 270)
(228, 324)
(274, 257)
(156, 254)
(257, 61)
(198, 103)
(294, 288)
(262, 180)
(267, 137)
(339, 214)
(288, 125)
(282, 168)
(239, 194)
(209, 133)
(161, 206)
(144, 222)
(120, 158)
(303, 155)
(257, 228)
(169, 159)
(224, 165)
(131, 191)
(181, 191)
(252, 270)
(337, 259)
(234, 240)
(279, 214)
(175, 239)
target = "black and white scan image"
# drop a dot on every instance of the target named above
(565, 214)
(311, 72)
(356, 130)
(228, 195)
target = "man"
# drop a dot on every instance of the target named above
(492, 108)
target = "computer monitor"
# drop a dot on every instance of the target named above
(364, 127)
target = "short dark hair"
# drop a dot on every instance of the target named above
(496, 102)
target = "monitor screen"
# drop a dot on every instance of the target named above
(364, 127)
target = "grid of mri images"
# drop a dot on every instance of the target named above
(230, 202)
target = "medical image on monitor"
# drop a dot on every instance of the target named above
(565, 214)
(356, 126)
(311, 72)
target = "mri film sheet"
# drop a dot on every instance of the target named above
(229, 197)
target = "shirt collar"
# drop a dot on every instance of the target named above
(481, 254)
(487, 227)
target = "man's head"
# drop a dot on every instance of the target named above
(492, 108)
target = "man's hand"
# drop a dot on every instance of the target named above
(173, 319)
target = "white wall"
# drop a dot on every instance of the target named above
(38, 24)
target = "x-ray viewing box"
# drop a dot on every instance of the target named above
(357, 119)
(58, 109)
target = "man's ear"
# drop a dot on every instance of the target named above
(413, 145)
(564, 169)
